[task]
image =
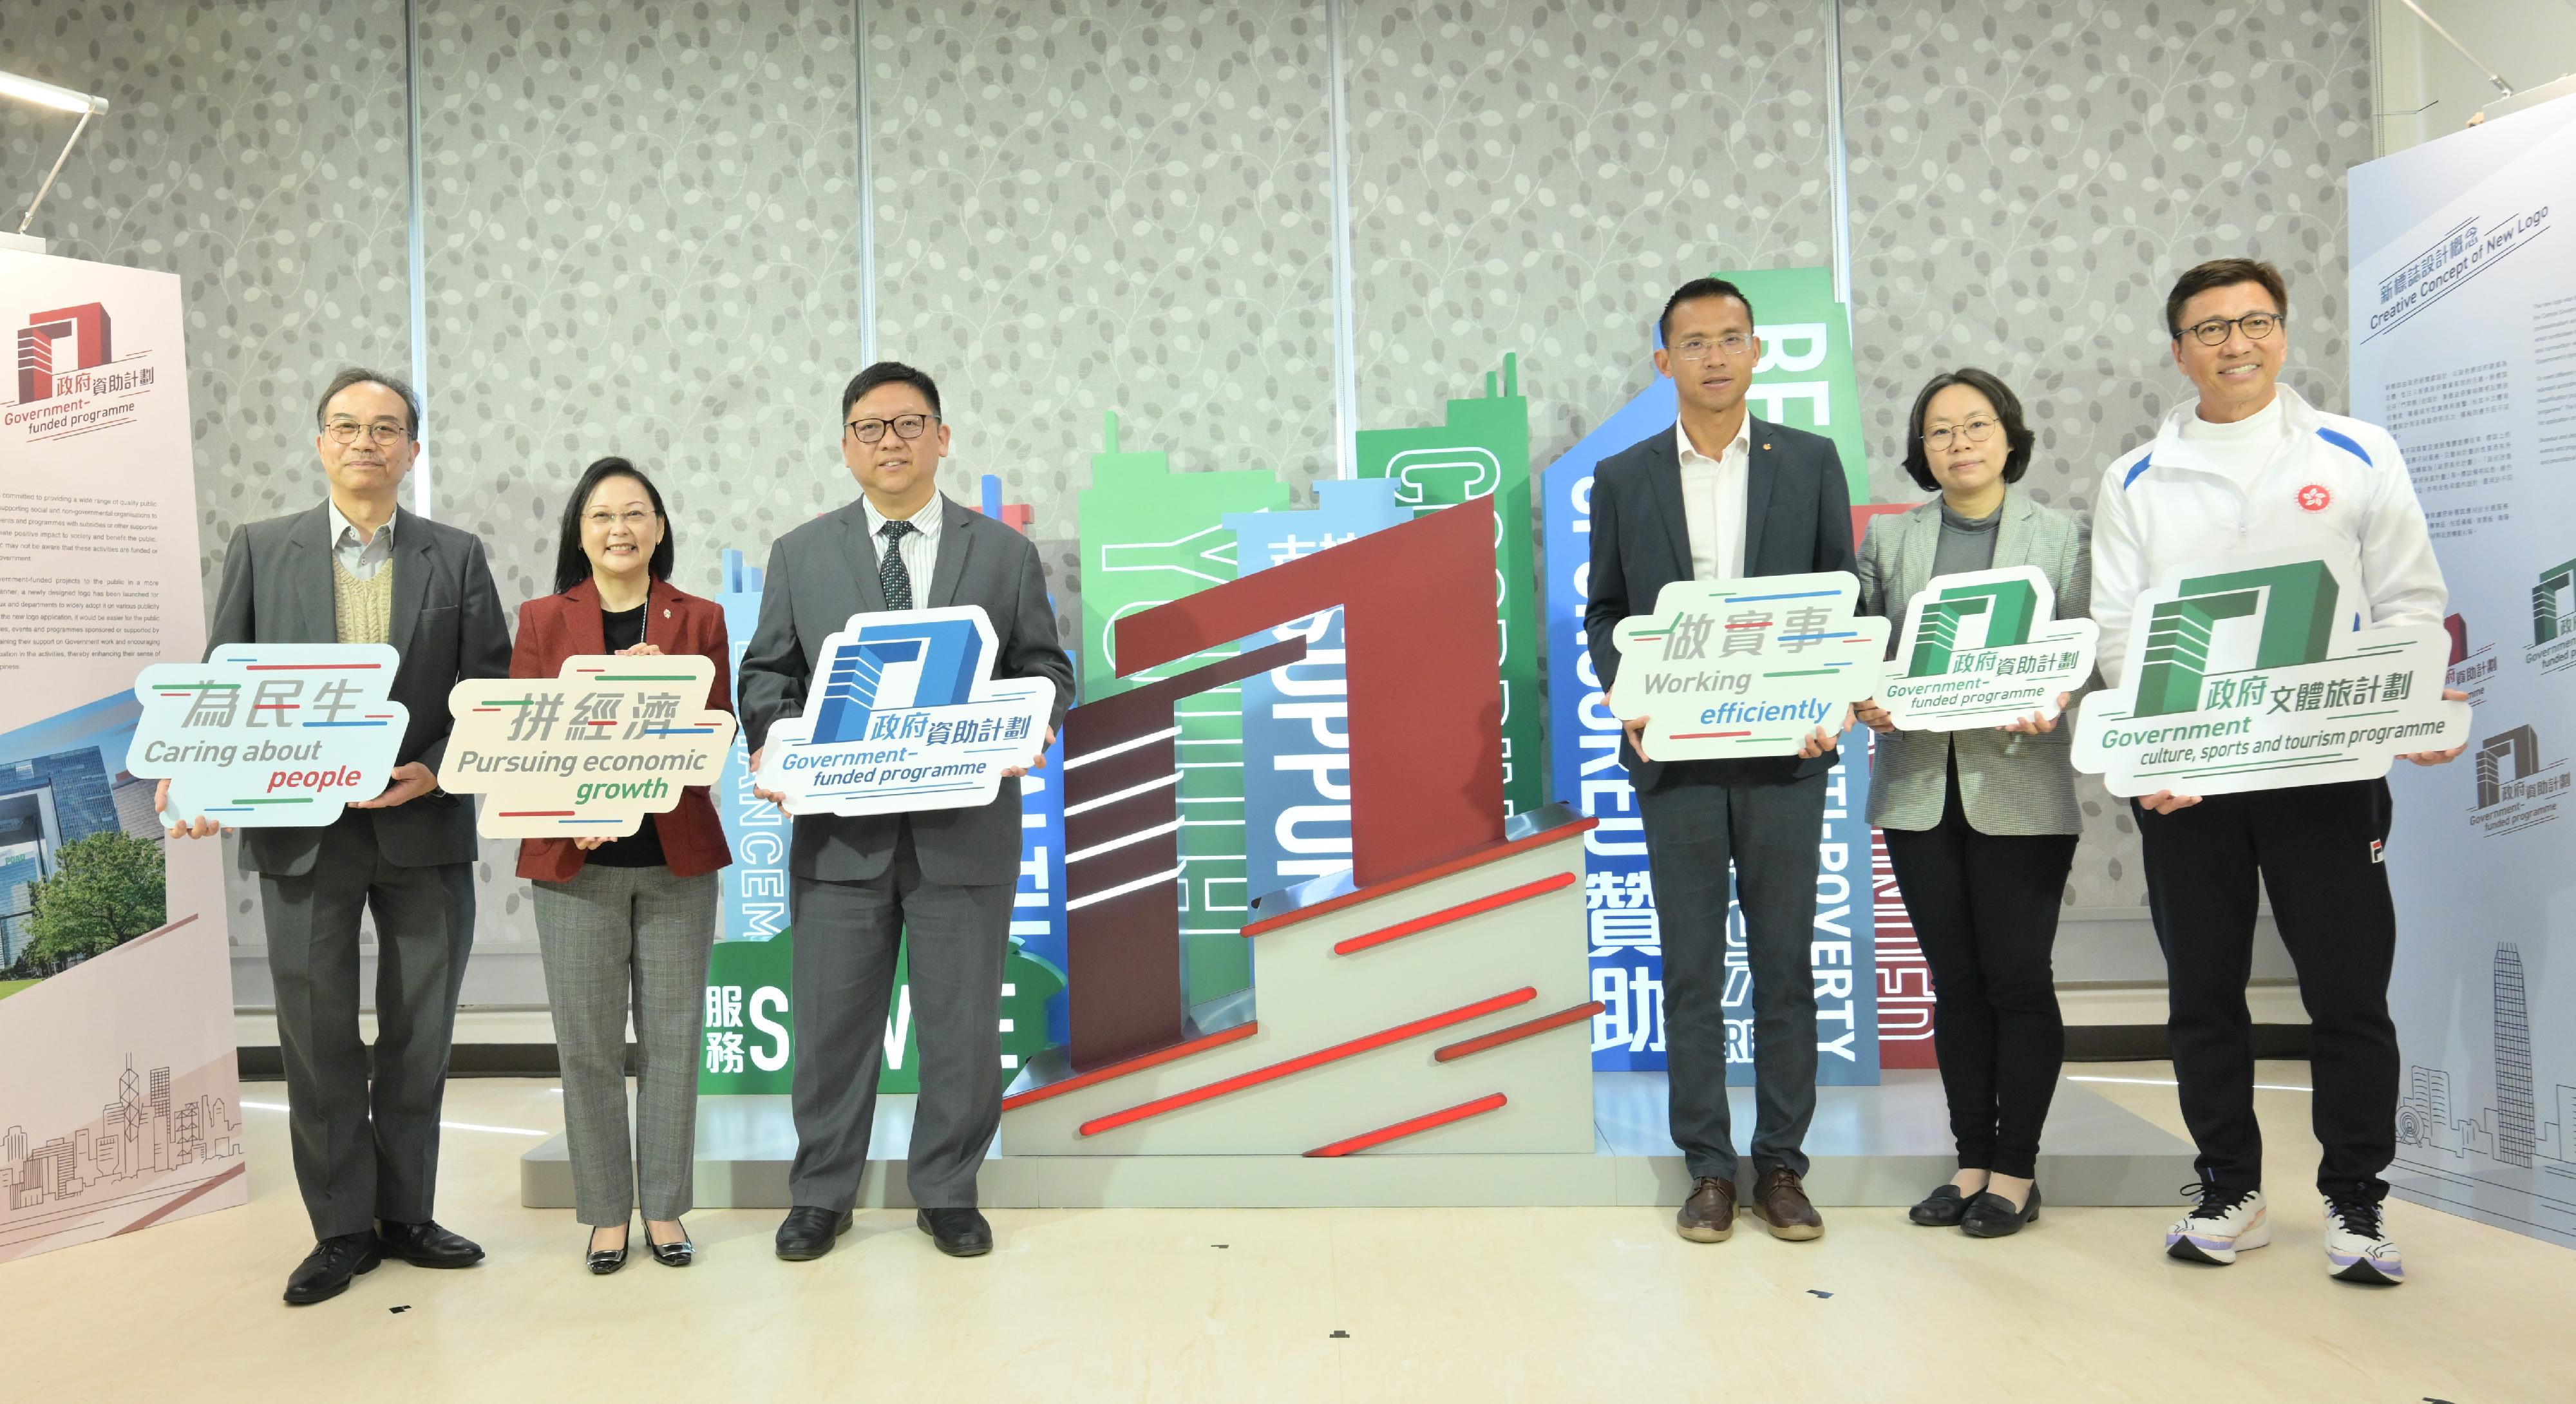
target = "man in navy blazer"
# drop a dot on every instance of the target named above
(1722, 495)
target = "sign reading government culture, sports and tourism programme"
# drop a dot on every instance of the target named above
(1726, 669)
(1985, 648)
(2253, 677)
(903, 715)
(589, 752)
(269, 736)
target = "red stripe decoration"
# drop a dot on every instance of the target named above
(536, 814)
(1137, 1064)
(1373, 891)
(1553, 882)
(1304, 1061)
(1491, 1101)
(310, 667)
(1452, 1052)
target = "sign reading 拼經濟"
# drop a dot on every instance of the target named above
(1727, 669)
(589, 752)
(269, 735)
(1985, 648)
(903, 714)
(2244, 676)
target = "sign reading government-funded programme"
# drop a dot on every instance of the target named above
(2249, 676)
(271, 735)
(1727, 669)
(902, 715)
(589, 752)
(1985, 648)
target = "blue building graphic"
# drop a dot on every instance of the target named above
(892, 666)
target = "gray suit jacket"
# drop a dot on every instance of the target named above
(825, 571)
(2009, 783)
(447, 627)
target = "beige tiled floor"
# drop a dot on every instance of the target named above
(1485, 1305)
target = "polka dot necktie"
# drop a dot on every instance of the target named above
(891, 576)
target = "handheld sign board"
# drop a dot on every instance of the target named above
(587, 753)
(1985, 648)
(1727, 669)
(269, 736)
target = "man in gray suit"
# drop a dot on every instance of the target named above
(937, 882)
(360, 569)
(1718, 496)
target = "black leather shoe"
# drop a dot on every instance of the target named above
(1941, 1208)
(427, 1245)
(327, 1271)
(808, 1233)
(1990, 1215)
(679, 1254)
(960, 1233)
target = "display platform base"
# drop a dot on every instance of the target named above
(1870, 1146)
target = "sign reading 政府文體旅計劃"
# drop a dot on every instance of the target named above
(2252, 675)
(269, 735)
(1985, 648)
(589, 752)
(1727, 669)
(903, 714)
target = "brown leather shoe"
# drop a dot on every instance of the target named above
(1781, 1202)
(1708, 1216)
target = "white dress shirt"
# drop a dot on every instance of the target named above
(360, 556)
(919, 548)
(1713, 502)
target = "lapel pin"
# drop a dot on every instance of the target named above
(1766, 448)
(666, 613)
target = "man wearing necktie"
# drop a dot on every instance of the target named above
(938, 882)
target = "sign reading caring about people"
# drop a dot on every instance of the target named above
(904, 714)
(1985, 648)
(1725, 669)
(589, 752)
(269, 735)
(2254, 677)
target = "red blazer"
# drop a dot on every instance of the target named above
(553, 628)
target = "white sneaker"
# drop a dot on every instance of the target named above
(2221, 1226)
(2357, 1246)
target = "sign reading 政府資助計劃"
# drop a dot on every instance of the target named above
(1985, 648)
(2252, 675)
(269, 735)
(1727, 669)
(903, 714)
(589, 752)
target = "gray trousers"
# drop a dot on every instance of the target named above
(615, 940)
(1695, 828)
(366, 1148)
(846, 936)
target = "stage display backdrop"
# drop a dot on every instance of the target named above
(2464, 348)
(119, 1106)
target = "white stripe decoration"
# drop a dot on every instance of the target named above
(1122, 889)
(1122, 841)
(1131, 743)
(1129, 793)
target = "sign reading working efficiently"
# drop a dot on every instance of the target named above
(269, 736)
(1725, 669)
(903, 715)
(589, 752)
(2238, 679)
(1985, 648)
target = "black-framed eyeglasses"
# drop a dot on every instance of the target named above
(381, 433)
(2213, 331)
(1975, 431)
(905, 426)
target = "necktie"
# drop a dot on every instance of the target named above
(891, 576)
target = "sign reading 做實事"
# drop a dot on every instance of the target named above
(1725, 669)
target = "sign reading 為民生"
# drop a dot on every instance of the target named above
(1985, 648)
(269, 735)
(589, 752)
(1727, 669)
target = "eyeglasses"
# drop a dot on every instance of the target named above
(1697, 348)
(634, 521)
(1975, 431)
(2213, 332)
(909, 426)
(346, 431)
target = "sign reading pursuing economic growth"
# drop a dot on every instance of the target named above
(269, 735)
(589, 752)
(2238, 678)
(904, 714)
(1985, 648)
(1727, 669)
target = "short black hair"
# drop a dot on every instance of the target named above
(572, 564)
(2017, 436)
(1693, 291)
(889, 373)
(360, 375)
(2224, 273)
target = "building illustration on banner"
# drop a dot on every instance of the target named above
(2522, 1146)
(151, 1144)
(2516, 789)
(2553, 620)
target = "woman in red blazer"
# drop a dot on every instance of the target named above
(627, 921)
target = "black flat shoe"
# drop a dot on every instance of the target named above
(679, 1254)
(808, 1233)
(1990, 1215)
(960, 1233)
(1941, 1208)
(604, 1261)
(427, 1245)
(327, 1271)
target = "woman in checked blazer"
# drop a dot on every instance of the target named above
(1981, 825)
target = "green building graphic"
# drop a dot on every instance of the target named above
(2011, 608)
(2294, 606)
(1481, 450)
(2551, 619)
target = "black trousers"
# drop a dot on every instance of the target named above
(2317, 850)
(1985, 908)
